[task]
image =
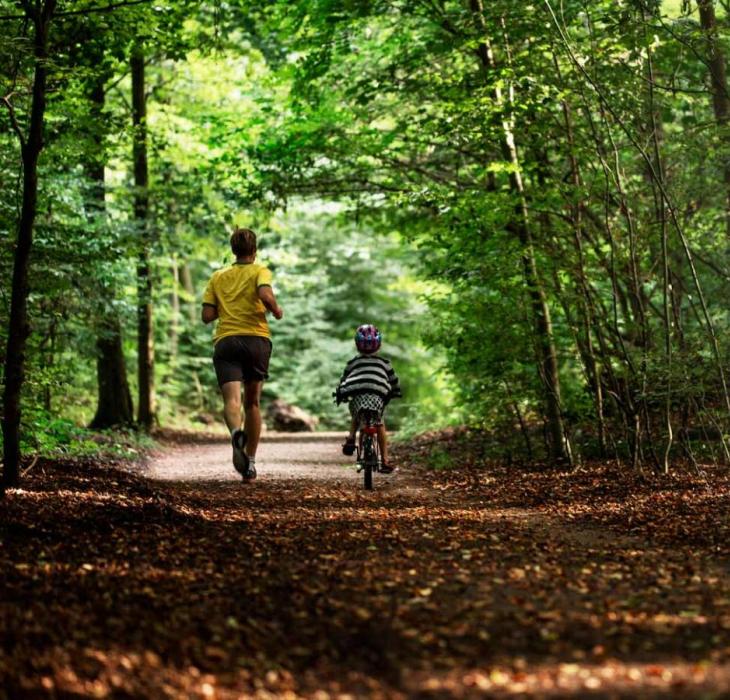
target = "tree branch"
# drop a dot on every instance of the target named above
(688, 253)
(13, 119)
(87, 11)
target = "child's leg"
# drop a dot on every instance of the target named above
(383, 443)
(348, 448)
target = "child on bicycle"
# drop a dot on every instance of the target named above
(368, 382)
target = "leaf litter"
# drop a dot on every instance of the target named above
(479, 581)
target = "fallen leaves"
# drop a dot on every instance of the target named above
(114, 586)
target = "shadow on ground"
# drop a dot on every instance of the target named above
(115, 586)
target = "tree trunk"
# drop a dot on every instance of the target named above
(18, 328)
(175, 312)
(656, 127)
(145, 347)
(720, 95)
(114, 400)
(546, 355)
(186, 279)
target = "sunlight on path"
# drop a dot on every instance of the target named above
(315, 456)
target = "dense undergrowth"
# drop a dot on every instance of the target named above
(46, 435)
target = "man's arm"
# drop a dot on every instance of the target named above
(266, 294)
(210, 307)
(209, 313)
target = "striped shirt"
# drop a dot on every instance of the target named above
(369, 374)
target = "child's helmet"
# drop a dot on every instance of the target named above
(367, 338)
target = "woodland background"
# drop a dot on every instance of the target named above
(531, 200)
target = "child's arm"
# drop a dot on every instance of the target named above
(395, 391)
(338, 392)
(345, 372)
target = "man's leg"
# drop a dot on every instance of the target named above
(252, 409)
(232, 405)
(232, 413)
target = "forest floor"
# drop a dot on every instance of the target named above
(474, 581)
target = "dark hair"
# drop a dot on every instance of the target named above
(243, 242)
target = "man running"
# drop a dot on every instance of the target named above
(239, 296)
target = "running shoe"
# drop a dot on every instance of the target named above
(240, 458)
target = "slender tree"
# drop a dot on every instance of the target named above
(145, 340)
(40, 15)
(520, 224)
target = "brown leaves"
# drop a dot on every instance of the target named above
(112, 585)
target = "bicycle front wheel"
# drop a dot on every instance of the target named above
(368, 472)
(370, 461)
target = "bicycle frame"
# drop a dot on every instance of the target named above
(367, 449)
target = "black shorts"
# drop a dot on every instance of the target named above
(242, 358)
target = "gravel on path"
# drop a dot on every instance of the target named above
(312, 456)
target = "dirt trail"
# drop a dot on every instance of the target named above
(314, 460)
(302, 584)
(314, 456)
(441, 593)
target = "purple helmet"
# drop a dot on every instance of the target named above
(367, 339)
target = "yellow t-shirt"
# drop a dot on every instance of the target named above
(234, 292)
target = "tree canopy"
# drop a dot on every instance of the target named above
(532, 201)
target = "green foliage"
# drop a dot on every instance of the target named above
(392, 110)
(49, 435)
(439, 459)
(441, 172)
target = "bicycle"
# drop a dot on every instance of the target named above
(368, 452)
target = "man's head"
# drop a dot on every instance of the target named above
(243, 242)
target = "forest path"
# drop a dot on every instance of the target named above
(193, 584)
(314, 456)
(419, 589)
